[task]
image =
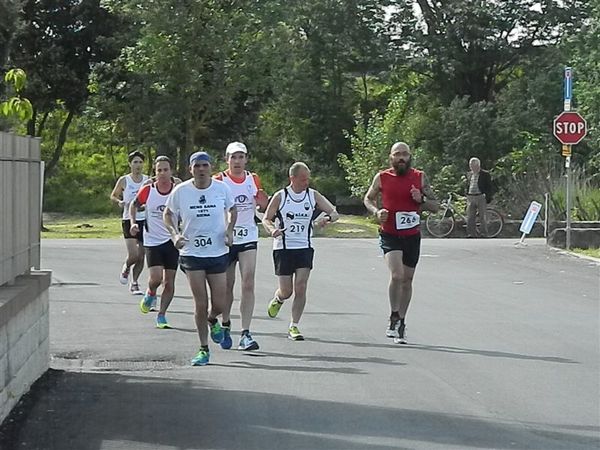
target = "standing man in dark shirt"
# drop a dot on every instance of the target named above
(479, 194)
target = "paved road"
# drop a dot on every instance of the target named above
(504, 354)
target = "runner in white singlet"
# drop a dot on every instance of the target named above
(248, 194)
(161, 255)
(123, 194)
(288, 219)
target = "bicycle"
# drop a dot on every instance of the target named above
(441, 223)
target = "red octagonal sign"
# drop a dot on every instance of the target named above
(570, 128)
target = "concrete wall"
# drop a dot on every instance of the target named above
(580, 238)
(24, 341)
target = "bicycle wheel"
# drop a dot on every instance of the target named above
(441, 223)
(495, 222)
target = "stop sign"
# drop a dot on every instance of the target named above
(570, 128)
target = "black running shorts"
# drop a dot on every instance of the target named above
(236, 249)
(286, 261)
(210, 264)
(126, 225)
(165, 255)
(410, 246)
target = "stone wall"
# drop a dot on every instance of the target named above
(24, 340)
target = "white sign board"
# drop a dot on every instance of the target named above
(530, 217)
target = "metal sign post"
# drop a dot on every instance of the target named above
(569, 129)
(567, 94)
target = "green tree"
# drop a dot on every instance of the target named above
(57, 47)
(16, 106)
(473, 48)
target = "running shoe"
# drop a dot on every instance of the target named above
(274, 307)
(201, 358)
(154, 305)
(226, 343)
(400, 337)
(161, 322)
(216, 332)
(392, 329)
(146, 302)
(124, 274)
(294, 334)
(134, 288)
(247, 343)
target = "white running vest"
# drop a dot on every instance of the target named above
(244, 194)
(156, 233)
(129, 193)
(295, 215)
(202, 213)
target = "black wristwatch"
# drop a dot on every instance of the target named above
(423, 199)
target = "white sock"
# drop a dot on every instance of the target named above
(293, 324)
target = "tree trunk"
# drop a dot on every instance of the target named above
(42, 125)
(31, 124)
(60, 143)
(189, 145)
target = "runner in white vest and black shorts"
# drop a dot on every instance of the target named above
(161, 255)
(248, 194)
(123, 194)
(288, 220)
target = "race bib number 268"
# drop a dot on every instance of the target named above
(407, 220)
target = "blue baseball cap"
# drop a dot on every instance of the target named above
(200, 156)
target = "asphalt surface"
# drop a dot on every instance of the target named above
(504, 353)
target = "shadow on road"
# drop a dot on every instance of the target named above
(69, 410)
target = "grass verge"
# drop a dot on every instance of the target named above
(94, 227)
(593, 252)
(81, 227)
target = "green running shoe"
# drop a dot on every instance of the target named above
(294, 334)
(216, 332)
(274, 307)
(201, 358)
(161, 322)
(146, 303)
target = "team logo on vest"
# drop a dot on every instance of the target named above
(202, 199)
(289, 215)
(306, 206)
(242, 198)
(161, 208)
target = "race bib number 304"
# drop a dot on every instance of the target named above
(407, 220)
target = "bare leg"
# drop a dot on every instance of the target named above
(168, 290)
(230, 274)
(197, 281)
(218, 291)
(300, 284)
(155, 277)
(400, 287)
(286, 287)
(138, 266)
(247, 273)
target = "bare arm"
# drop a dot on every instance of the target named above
(232, 213)
(133, 226)
(170, 222)
(269, 217)
(370, 200)
(430, 203)
(327, 207)
(117, 193)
